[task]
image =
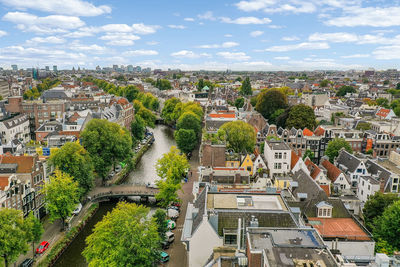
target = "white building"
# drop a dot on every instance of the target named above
(278, 157)
(15, 128)
(367, 187)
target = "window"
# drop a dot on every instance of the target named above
(230, 239)
(396, 180)
(278, 166)
(278, 155)
(394, 188)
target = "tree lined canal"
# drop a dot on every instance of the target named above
(144, 173)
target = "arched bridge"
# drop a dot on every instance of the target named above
(104, 193)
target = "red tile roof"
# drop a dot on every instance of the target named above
(307, 132)
(333, 172)
(294, 159)
(383, 112)
(223, 115)
(3, 182)
(314, 169)
(326, 188)
(319, 131)
(25, 163)
(339, 227)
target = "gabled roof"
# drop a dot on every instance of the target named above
(294, 159)
(333, 172)
(307, 132)
(348, 160)
(223, 115)
(319, 131)
(313, 168)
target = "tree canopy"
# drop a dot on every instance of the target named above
(334, 146)
(269, 101)
(34, 230)
(240, 136)
(301, 116)
(345, 89)
(245, 89)
(61, 196)
(13, 236)
(387, 226)
(186, 139)
(124, 237)
(107, 144)
(73, 159)
(189, 121)
(168, 109)
(138, 128)
(239, 102)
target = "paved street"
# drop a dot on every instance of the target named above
(177, 252)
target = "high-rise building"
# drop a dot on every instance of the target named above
(55, 68)
(130, 68)
(47, 68)
(14, 67)
(115, 67)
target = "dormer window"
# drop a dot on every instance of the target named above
(324, 210)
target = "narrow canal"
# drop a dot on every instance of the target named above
(144, 173)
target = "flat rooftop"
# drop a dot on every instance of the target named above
(390, 166)
(245, 201)
(278, 145)
(345, 228)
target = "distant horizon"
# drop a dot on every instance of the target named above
(241, 35)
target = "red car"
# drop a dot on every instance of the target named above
(42, 247)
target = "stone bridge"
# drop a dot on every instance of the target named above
(117, 191)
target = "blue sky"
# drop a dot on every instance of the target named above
(206, 34)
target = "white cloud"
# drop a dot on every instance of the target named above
(294, 7)
(256, 33)
(119, 39)
(282, 58)
(254, 5)
(246, 20)
(276, 27)
(238, 56)
(290, 38)
(47, 40)
(188, 19)
(188, 54)
(181, 27)
(141, 52)
(152, 43)
(223, 45)
(70, 7)
(141, 28)
(356, 56)
(299, 46)
(50, 24)
(389, 52)
(369, 16)
(207, 16)
(2, 33)
(228, 35)
(337, 37)
(93, 48)
(78, 34)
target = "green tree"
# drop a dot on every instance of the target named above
(189, 121)
(239, 102)
(334, 146)
(253, 101)
(398, 86)
(171, 168)
(245, 89)
(269, 101)
(107, 144)
(160, 217)
(301, 116)
(13, 237)
(386, 82)
(124, 237)
(308, 154)
(61, 196)
(73, 159)
(387, 226)
(168, 109)
(34, 230)
(383, 102)
(200, 84)
(324, 83)
(186, 139)
(138, 128)
(275, 116)
(375, 206)
(240, 136)
(345, 89)
(131, 92)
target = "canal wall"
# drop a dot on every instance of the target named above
(62, 244)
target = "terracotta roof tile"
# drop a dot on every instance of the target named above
(307, 132)
(294, 160)
(25, 163)
(319, 131)
(340, 227)
(326, 188)
(222, 115)
(314, 169)
(333, 172)
(3, 182)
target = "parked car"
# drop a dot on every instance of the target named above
(172, 213)
(164, 256)
(176, 204)
(152, 185)
(165, 245)
(171, 224)
(27, 263)
(42, 247)
(174, 207)
(118, 168)
(169, 237)
(77, 209)
(112, 173)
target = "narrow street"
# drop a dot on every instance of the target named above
(177, 251)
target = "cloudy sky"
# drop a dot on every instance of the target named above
(201, 34)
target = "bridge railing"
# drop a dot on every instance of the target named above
(127, 193)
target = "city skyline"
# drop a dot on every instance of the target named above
(248, 35)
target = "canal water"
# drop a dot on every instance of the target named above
(144, 173)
